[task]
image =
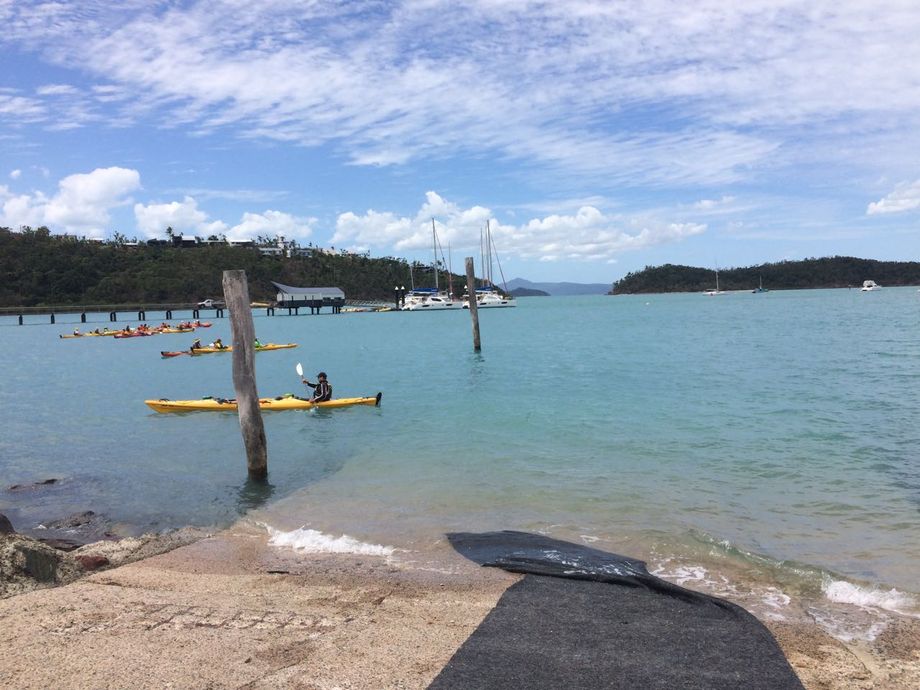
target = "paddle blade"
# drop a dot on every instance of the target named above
(299, 369)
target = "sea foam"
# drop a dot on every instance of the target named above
(314, 541)
(842, 592)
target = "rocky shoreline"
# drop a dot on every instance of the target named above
(67, 551)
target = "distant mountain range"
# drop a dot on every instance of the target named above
(561, 289)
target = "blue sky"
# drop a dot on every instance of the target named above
(596, 137)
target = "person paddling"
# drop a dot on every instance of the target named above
(322, 391)
(196, 345)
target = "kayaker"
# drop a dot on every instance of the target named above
(322, 391)
(196, 345)
(217, 344)
(258, 343)
(76, 331)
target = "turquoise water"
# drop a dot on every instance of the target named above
(783, 426)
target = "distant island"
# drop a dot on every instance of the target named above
(559, 289)
(827, 272)
(528, 292)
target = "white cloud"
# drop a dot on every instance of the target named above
(15, 174)
(711, 204)
(905, 197)
(56, 90)
(184, 217)
(21, 209)
(654, 92)
(271, 224)
(588, 235)
(81, 205)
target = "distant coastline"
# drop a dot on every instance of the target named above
(528, 292)
(828, 272)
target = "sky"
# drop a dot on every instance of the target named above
(595, 138)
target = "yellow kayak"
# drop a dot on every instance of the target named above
(89, 334)
(280, 403)
(229, 348)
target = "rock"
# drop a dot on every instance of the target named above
(60, 544)
(6, 527)
(72, 521)
(92, 562)
(33, 485)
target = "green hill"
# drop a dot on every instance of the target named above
(828, 272)
(38, 268)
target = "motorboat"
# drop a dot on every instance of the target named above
(487, 298)
(429, 299)
(869, 286)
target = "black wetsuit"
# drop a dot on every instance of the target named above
(322, 391)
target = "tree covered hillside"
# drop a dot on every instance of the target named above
(828, 272)
(38, 268)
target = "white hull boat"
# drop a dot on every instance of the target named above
(429, 299)
(489, 299)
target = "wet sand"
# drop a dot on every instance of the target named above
(231, 611)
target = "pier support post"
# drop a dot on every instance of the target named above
(474, 311)
(52, 317)
(168, 314)
(83, 317)
(236, 295)
(20, 319)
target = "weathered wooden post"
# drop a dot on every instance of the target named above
(471, 291)
(236, 295)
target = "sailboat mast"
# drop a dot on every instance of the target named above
(434, 242)
(489, 252)
(450, 274)
(482, 256)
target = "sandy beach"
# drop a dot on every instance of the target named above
(232, 611)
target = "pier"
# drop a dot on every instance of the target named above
(143, 312)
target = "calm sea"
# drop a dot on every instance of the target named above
(753, 444)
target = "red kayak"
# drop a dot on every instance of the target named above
(166, 354)
(199, 324)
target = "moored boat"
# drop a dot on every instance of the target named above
(870, 286)
(430, 299)
(487, 298)
(282, 402)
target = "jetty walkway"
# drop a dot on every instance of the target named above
(112, 312)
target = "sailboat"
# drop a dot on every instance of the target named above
(717, 291)
(760, 288)
(430, 299)
(488, 296)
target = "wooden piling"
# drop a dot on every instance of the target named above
(474, 311)
(236, 295)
